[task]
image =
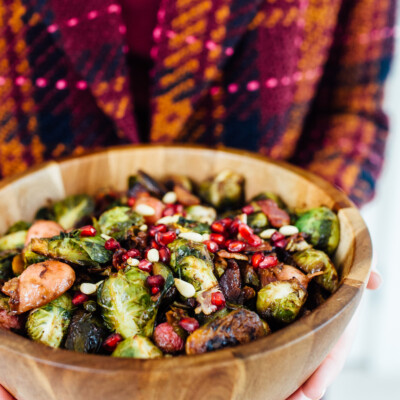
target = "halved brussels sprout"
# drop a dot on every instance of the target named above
(18, 226)
(179, 180)
(116, 221)
(48, 324)
(204, 214)
(312, 261)
(197, 272)
(185, 225)
(272, 196)
(72, 209)
(30, 257)
(14, 240)
(181, 248)
(6, 258)
(281, 300)
(126, 303)
(137, 347)
(226, 190)
(78, 250)
(257, 220)
(322, 224)
(86, 333)
(161, 269)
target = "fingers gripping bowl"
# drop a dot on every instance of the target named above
(271, 367)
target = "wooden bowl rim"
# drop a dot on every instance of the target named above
(348, 292)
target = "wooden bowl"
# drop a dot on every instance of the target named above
(270, 368)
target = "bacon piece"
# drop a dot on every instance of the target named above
(276, 216)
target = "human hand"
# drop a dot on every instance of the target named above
(314, 388)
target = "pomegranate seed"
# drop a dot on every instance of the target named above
(227, 222)
(228, 242)
(165, 238)
(233, 229)
(236, 246)
(154, 245)
(277, 236)
(245, 231)
(178, 208)
(111, 342)
(249, 209)
(218, 238)
(218, 227)
(254, 240)
(268, 262)
(155, 290)
(145, 265)
(133, 253)
(256, 259)
(131, 201)
(88, 230)
(169, 210)
(218, 299)
(211, 246)
(157, 228)
(280, 243)
(155, 280)
(111, 244)
(79, 298)
(189, 324)
(165, 255)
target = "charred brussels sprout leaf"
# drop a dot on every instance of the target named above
(126, 303)
(86, 333)
(203, 214)
(48, 324)
(72, 209)
(78, 250)
(15, 240)
(281, 300)
(322, 225)
(18, 226)
(181, 248)
(312, 261)
(137, 347)
(226, 190)
(197, 272)
(6, 258)
(118, 220)
(30, 257)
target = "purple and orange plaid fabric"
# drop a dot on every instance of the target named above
(299, 80)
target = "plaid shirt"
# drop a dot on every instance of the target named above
(299, 80)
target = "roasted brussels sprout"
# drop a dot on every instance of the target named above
(281, 300)
(185, 225)
(30, 257)
(88, 251)
(161, 269)
(126, 303)
(179, 180)
(18, 226)
(118, 220)
(312, 261)
(181, 248)
(137, 347)
(226, 190)
(322, 224)
(154, 187)
(271, 196)
(14, 240)
(238, 327)
(86, 333)
(206, 215)
(72, 209)
(197, 272)
(257, 220)
(6, 258)
(48, 324)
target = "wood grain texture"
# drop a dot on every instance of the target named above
(268, 369)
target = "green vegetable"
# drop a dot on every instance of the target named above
(18, 226)
(86, 333)
(186, 225)
(48, 324)
(15, 240)
(257, 220)
(226, 190)
(6, 258)
(281, 300)
(30, 257)
(312, 261)
(322, 225)
(116, 221)
(126, 303)
(202, 214)
(161, 269)
(271, 196)
(137, 347)
(72, 209)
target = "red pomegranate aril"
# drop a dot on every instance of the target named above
(245, 231)
(254, 240)
(218, 299)
(178, 209)
(211, 246)
(256, 259)
(249, 209)
(235, 246)
(111, 244)
(79, 298)
(218, 238)
(88, 230)
(155, 281)
(268, 262)
(233, 229)
(218, 227)
(124, 257)
(167, 339)
(280, 243)
(164, 254)
(112, 341)
(155, 290)
(157, 228)
(133, 253)
(145, 265)
(227, 222)
(189, 324)
(154, 245)
(131, 201)
(168, 211)
(165, 238)
(277, 236)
